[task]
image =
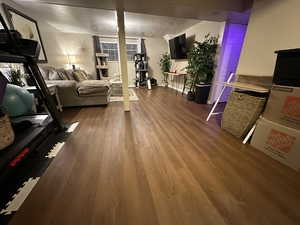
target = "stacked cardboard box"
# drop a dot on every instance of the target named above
(284, 106)
(278, 133)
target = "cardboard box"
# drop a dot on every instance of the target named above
(280, 142)
(284, 106)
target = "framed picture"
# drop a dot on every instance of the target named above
(27, 27)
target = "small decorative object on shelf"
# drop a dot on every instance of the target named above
(141, 71)
(15, 77)
(102, 65)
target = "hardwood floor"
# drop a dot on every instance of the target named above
(161, 164)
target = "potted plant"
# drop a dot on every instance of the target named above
(201, 68)
(15, 77)
(165, 66)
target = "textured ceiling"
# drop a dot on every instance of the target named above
(196, 9)
(103, 22)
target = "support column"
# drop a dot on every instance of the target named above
(123, 55)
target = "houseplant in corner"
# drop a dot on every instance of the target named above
(165, 66)
(201, 68)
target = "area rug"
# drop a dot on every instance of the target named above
(132, 96)
(18, 187)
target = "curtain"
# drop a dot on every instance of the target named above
(143, 47)
(97, 49)
(97, 46)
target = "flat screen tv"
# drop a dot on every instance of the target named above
(178, 48)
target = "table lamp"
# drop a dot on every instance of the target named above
(72, 60)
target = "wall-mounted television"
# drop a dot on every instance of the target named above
(178, 49)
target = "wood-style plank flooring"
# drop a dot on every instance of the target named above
(160, 164)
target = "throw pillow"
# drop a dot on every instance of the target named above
(78, 76)
(62, 75)
(69, 74)
(53, 75)
(84, 74)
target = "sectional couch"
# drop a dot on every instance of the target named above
(76, 88)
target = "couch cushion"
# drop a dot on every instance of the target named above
(96, 92)
(84, 74)
(79, 76)
(64, 83)
(93, 87)
(93, 84)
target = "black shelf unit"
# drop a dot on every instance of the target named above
(141, 71)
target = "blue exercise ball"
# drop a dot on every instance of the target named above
(17, 101)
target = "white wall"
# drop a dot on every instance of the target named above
(155, 48)
(273, 25)
(58, 45)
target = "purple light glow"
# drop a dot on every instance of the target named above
(232, 44)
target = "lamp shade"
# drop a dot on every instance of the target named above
(72, 59)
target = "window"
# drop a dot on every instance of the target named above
(131, 51)
(113, 52)
(111, 49)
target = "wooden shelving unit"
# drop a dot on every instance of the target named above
(102, 67)
(102, 64)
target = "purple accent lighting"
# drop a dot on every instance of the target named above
(232, 43)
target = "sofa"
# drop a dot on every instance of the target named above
(76, 88)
